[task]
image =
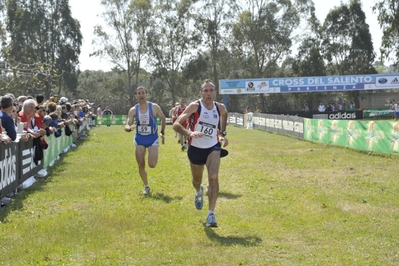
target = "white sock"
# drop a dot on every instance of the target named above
(210, 212)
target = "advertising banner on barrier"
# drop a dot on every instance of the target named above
(347, 115)
(9, 170)
(373, 113)
(378, 136)
(27, 155)
(108, 120)
(373, 136)
(18, 159)
(111, 120)
(290, 125)
(236, 119)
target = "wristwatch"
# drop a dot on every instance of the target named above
(223, 133)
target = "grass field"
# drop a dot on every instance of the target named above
(282, 201)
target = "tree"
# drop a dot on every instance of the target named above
(106, 88)
(263, 35)
(171, 42)
(3, 41)
(96, 86)
(213, 19)
(44, 44)
(125, 45)
(308, 62)
(347, 43)
(388, 18)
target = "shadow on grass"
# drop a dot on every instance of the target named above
(249, 241)
(228, 195)
(18, 198)
(163, 197)
(20, 195)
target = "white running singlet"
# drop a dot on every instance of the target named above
(205, 121)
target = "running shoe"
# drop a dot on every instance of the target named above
(199, 199)
(146, 191)
(211, 220)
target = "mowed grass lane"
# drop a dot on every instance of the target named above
(282, 201)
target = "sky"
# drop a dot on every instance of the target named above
(87, 11)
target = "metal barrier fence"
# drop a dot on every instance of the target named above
(282, 124)
(372, 136)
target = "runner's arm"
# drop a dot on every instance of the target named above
(129, 123)
(160, 114)
(178, 125)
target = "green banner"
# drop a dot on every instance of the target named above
(115, 120)
(111, 120)
(378, 136)
(378, 113)
(55, 147)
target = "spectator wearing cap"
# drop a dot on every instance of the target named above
(63, 100)
(21, 99)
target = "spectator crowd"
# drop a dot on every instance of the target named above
(29, 117)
